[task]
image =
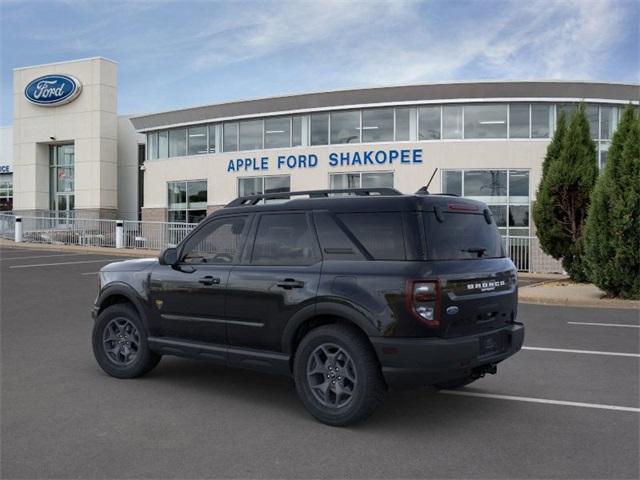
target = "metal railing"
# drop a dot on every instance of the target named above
(69, 231)
(7, 226)
(526, 254)
(154, 235)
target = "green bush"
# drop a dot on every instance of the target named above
(569, 174)
(612, 233)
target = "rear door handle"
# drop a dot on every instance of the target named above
(209, 280)
(289, 283)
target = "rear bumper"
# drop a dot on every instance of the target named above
(414, 362)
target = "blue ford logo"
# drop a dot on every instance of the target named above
(52, 90)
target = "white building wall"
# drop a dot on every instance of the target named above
(90, 122)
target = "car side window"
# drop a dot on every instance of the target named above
(217, 243)
(284, 239)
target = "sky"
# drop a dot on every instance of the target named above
(176, 54)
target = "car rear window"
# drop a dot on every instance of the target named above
(381, 234)
(461, 236)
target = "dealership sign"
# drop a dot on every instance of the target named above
(358, 158)
(5, 168)
(53, 90)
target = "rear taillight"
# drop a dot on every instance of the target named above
(423, 300)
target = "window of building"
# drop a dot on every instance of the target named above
(284, 239)
(339, 181)
(178, 142)
(251, 135)
(519, 120)
(381, 234)
(403, 124)
(163, 144)
(296, 131)
(217, 243)
(61, 179)
(429, 123)
(152, 146)
(452, 182)
(485, 121)
(320, 129)
(345, 127)
(592, 113)
(187, 201)
(377, 125)
(212, 138)
(506, 192)
(452, 121)
(277, 132)
(197, 140)
(541, 120)
(6, 192)
(230, 137)
(608, 121)
(260, 185)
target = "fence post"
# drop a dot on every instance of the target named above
(119, 234)
(18, 230)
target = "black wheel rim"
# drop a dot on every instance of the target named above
(121, 341)
(331, 375)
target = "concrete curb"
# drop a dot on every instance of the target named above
(528, 296)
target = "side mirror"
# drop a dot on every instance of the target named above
(169, 256)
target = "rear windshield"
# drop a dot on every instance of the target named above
(461, 236)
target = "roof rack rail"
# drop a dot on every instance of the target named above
(360, 192)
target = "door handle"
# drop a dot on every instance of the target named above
(209, 280)
(289, 283)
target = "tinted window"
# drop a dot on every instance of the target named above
(519, 120)
(345, 127)
(197, 140)
(377, 125)
(461, 236)
(284, 239)
(429, 123)
(485, 121)
(217, 243)
(381, 234)
(335, 243)
(403, 123)
(320, 129)
(178, 142)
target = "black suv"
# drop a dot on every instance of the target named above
(350, 292)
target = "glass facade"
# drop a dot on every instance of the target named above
(260, 185)
(507, 192)
(6, 192)
(360, 180)
(384, 124)
(61, 180)
(187, 201)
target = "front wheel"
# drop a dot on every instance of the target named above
(337, 375)
(120, 343)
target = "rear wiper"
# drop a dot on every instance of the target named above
(479, 250)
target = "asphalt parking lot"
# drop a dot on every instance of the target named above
(565, 407)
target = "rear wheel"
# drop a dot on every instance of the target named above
(337, 375)
(120, 343)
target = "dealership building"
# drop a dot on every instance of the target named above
(70, 152)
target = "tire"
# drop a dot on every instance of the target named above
(130, 356)
(456, 383)
(359, 387)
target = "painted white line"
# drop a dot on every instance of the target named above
(588, 352)
(604, 324)
(90, 273)
(41, 256)
(541, 400)
(106, 260)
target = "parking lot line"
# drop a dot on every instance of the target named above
(106, 260)
(90, 273)
(604, 324)
(540, 400)
(40, 256)
(588, 352)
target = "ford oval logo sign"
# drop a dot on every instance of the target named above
(53, 90)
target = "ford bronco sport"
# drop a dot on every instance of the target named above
(350, 292)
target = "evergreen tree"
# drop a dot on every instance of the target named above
(612, 233)
(563, 197)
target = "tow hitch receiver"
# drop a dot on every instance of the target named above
(482, 370)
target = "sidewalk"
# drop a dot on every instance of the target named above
(124, 252)
(565, 292)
